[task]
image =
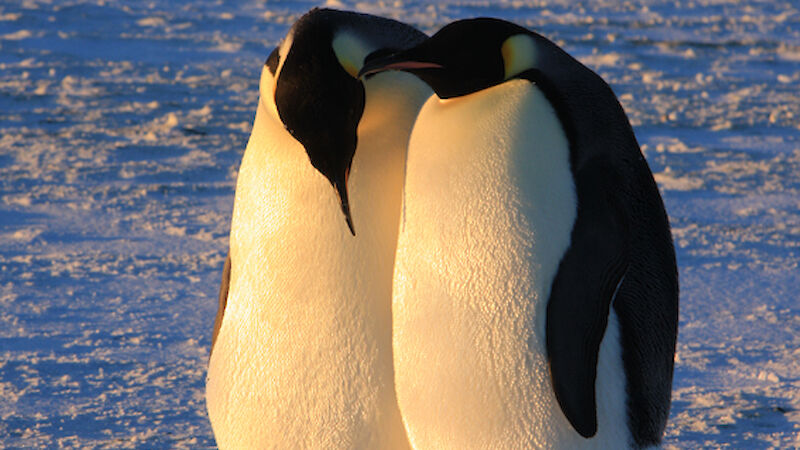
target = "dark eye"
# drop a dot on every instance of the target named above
(272, 61)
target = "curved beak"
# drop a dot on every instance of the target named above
(397, 61)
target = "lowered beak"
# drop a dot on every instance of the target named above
(394, 62)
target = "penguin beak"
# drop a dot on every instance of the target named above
(340, 184)
(395, 62)
(417, 61)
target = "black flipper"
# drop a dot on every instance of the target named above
(223, 301)
(582, 291)
(647, 307)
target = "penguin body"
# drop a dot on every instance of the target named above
(535, 287)
(471, 366)
(302, 349)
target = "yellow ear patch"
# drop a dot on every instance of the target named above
(350, 51)
(519, 54)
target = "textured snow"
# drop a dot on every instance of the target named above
(121, 129)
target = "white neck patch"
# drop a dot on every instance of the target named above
(350, 50)
(519, 54)
(269, 81)
(266, 89)
(283, 51)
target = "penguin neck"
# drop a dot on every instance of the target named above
(586, 106)
(280, 196)
(390, 112)
(275, 160)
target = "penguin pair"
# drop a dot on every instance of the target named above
(533, 300)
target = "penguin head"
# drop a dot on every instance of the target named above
(315, 86)
(465, 56)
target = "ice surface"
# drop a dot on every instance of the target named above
(121, 129)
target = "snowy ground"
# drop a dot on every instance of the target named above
(122, 124)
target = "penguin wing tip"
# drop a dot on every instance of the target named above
(577, 403)
(586, 429)
(581, 416)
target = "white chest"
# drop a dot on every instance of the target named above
(489, 205)
(303, 356)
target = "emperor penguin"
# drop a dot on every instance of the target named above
(535, 287)
(302, 354)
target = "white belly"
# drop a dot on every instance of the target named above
(303, 357)
(489, 205)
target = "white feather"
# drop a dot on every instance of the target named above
(303, 357)
(489, 205)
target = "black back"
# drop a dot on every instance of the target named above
(621, 255)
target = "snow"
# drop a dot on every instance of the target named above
(121, 129)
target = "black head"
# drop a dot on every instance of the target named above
(465, 56)
(318, 95)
